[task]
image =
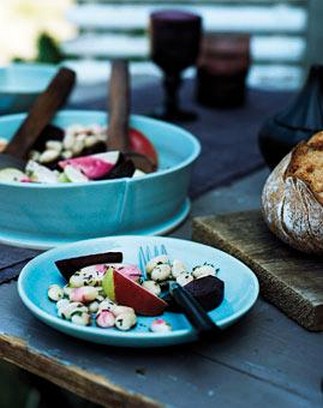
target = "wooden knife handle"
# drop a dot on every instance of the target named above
(118, 106)
(41, 113)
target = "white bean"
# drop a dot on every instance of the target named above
(102, 136)
(78, 146)
(90, 141)
(125, 321)
(107, 304)
(178, 267)
(55, 293)
(67, 290)
(67, 154)
(48, 156)
(54, 145)
(100, 298)
(118, 310)
(67, 311)
(94, 306)
(88, 270)
(161, 273)
(184, 278)
(76, 280)
(81, 137)
(203, 270)
(161, 259)
(81, 318)
(34, 155)
(68, 140)
(152, 286)
(62, 303)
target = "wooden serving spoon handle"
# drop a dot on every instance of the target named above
(118, 137)
(118, 107)
(41, 113)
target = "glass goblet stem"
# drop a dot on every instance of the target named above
(172, 82)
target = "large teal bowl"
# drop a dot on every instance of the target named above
(21, 83)
(44, 216)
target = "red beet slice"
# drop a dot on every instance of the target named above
(68, 267)
(208, 291)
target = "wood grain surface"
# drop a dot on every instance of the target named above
(291, 280)
(83, 382)
(264, 360)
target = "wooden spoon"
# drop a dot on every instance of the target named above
(119, 137)
(40, 114)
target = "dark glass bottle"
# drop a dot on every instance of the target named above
(297, 122)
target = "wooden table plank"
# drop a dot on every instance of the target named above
(205, 373)
(291, 280)
(272, 350)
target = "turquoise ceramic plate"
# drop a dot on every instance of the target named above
(241, 289)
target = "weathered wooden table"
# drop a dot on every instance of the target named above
(264, 360)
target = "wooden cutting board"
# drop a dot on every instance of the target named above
(290, 280)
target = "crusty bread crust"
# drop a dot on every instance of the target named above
(306, 164)
(292, 197)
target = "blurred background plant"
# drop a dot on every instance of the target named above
(48, 50)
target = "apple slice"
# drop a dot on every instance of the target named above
(141, 144)
(126, 292)
(108, 284)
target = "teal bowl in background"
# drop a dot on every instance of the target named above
(43, 216)
(21, 83)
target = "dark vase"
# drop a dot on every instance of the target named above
(222, 70)
(299, 121)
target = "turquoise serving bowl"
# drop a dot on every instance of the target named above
(43, 216)
(21, 83)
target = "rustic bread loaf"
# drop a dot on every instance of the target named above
(292, 198)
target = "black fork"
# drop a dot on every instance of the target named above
(195, 313)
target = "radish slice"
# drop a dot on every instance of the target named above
(95, 166)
